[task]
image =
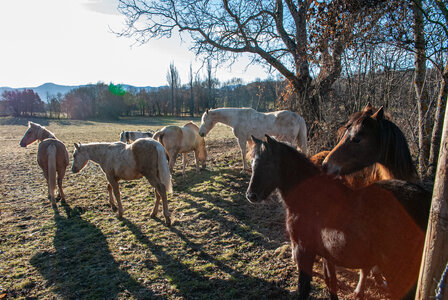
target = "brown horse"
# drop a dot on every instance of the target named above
(52, 157)
(143, 158)
(370, 138)
(183, 139)
(382, 224)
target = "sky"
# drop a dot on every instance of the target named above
(70, 42)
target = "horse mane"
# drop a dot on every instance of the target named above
(293, 156)
(395, 150)
(43, 133)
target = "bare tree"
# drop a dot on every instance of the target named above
(293, 37)
(172, 76)
(210, 85)
(191, 91)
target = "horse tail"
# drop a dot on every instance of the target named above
(51, 171)
(301, 136)
(164, 171)
(158, 136)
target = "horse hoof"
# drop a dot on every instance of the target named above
(152, 215)
(168, 221)
(114, 208)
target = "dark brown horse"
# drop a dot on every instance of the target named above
(370, 138)
(52, 157)
(382, 224)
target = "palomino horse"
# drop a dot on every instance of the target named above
(130, 136)
(285, 125)
(382, 224)
(183, 139)
(144, 157)
(52, 157)
(370, 138)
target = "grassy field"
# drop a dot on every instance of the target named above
(220, 246)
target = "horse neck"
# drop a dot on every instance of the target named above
(295, 169)
(395, 154)
(224, 116)
(96, 151)
(44, 133)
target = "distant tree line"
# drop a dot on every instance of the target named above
(102, 101)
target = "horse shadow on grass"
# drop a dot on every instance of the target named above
(82, 265)
(266, 219)
(190, 284)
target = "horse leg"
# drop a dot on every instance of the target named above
(305, 262)
(242, 144)
(184, 162)
(196, 158)
(330, 279)
(173, 156)
(166, 213)
(156, 204)
(359, 291)
(111, 198)
(160, 193)
(61, 174)
(114, 183)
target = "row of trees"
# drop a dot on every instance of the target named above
(110, 101)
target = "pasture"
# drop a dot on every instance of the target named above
(220, 246)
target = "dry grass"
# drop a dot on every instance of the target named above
(220, 245)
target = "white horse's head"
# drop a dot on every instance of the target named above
(123, 136)
(207, 123)
(80, 158)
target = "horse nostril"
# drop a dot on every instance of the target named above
(251, 196)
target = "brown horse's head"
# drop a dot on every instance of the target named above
(359, 145)
(369, 138)
(31, 134)
(80, 158)
(265, 170)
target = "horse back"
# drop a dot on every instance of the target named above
(412, 197)
(144, 153)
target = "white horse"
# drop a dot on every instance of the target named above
(285, 125)
(130, 136)
(183, 139)
(144, 157)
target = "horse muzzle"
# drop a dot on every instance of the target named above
(201, 134)
(331, 169)
(252, 197)
(74, 170)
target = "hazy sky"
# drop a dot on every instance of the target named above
(69, 42)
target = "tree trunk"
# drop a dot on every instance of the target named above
(420, 87)
(435, 254)
(438, 123)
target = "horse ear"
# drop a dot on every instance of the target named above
(206, 111)
(77, 146)
(379, 115)
(269, 140)
(368, 107)
(255, 140)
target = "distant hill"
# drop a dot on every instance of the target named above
(53, 89)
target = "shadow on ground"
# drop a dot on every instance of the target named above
(190, 283)
(82, 265)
